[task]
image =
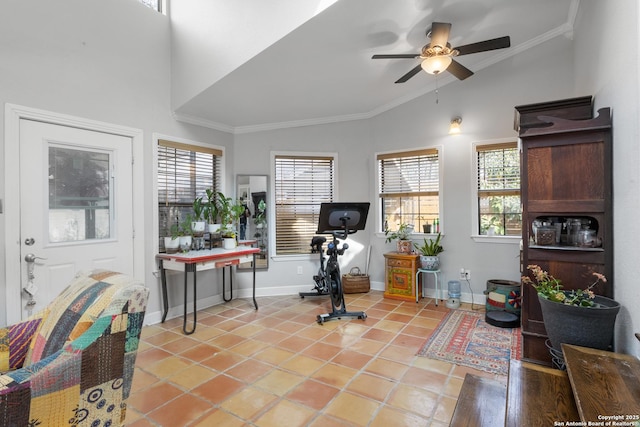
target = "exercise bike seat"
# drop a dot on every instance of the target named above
(317, 242)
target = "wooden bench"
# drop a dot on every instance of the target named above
(538, 396)
(604, 383)
(596, 384)
(481, 403)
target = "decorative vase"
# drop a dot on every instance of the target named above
(429, 262)
(583, 326)
(404, 246)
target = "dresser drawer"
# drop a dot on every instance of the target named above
(400, 263)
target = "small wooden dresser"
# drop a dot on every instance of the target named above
(400, 276)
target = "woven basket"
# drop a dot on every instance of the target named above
(355, 282)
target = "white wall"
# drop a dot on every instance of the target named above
(607, 55)
(105, 61)
(213, 37)
(485, 103)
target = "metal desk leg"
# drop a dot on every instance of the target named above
(254, 282)
(230, 284)
(189, 268)
(165, 300)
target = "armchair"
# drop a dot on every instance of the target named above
(73, 362)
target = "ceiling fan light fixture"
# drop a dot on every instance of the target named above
(436, 64)
(454, 126)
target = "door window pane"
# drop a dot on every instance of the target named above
(79, 194)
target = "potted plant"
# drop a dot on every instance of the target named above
(230, 212)
(260, 219)
(429, 251)
(578, 316)
(426, 227)
(172, 243)
(198, 223)
(186, 234)
(211, 211)
(401, 235)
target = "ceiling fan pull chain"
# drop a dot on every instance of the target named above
(437, 98)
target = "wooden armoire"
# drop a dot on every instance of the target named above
(566, 189)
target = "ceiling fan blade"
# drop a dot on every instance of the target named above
(396, 56)
(439, 34)
(499, 43)
(410, 74)
(459, 70)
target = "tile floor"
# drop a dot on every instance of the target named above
(277, 367)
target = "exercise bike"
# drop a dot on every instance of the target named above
(321, 284)
(340, 220)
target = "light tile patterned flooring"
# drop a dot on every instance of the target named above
(277, 367)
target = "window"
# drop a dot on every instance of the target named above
(184, 172)
(499, 209)
(409, 187)
(153, 4)
(301, 184)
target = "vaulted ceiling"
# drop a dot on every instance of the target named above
(321, 71)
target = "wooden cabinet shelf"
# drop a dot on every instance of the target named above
(565, 248)
(566, 174)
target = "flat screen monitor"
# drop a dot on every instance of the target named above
(334, 217)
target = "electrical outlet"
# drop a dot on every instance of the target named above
(462, 274)
(299, 269)
(467, 275)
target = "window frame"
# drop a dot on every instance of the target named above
(408, 153)
(273, 197)
(475, 215)
(156, 138)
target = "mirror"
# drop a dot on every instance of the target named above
(252, 190)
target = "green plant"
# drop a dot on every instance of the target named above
(261, 219)
(224, 208)
(198, 209)
(430, 247)
(237, 210)
(211, 207)
(402, 233)
(550, 288)
(175, 231)
(185, 226)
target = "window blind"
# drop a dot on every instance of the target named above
(498, 168)
(413, 173)
(409, 188)
(184, 173)
(301, 184)
(498, 186)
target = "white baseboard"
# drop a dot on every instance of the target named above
(152, 318)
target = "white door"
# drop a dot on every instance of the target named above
(75, 207)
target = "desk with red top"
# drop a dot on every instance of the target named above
(208, 259)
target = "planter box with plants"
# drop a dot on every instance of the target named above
(429, 251)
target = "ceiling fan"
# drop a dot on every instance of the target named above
(437, 56)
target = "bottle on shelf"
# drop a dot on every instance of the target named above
(436, 225)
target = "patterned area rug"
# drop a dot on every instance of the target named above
(464, 338)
